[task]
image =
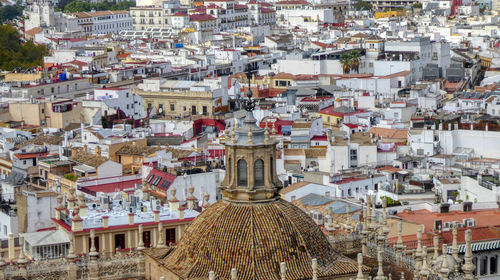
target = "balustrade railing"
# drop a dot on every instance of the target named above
(120, 266)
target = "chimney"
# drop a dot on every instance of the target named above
(97, 150)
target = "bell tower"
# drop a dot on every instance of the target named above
(250, 161)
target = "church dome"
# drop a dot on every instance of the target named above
(255, 238)
(252, 229)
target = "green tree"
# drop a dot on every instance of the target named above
(15, 54)
(350, 61)
(355, 56)
(9, 12)
(78, 6)
(345, 60)
(363, 6)
(82, 6)
(417, 5)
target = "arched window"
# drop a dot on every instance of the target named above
(229, 168)
(258, 172)
(271, 171)
(242, 173)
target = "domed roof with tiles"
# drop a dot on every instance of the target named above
(252, 229)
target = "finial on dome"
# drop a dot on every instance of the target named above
(233, 131)
(191, 191)
(249, 105)
(76, 213)
(173, 191)
(206, 197)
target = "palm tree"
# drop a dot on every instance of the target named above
(345, 60)
(354, 57)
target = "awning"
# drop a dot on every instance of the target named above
(479, 246)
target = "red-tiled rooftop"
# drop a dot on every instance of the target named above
(483, 218)
(180, 14)
(292, 2)
(201, 17)
(111, 187)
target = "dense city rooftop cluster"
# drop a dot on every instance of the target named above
(261, 139)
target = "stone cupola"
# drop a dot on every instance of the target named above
(250, 162)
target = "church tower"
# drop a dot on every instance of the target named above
(250, 162)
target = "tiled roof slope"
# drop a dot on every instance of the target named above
(255, 238)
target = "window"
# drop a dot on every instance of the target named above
(172, 107)
(258, 171)
(493, 265)
(354, 155)
(242, 173)
(193, 109)
(229, 168)
(170, 236)
(146, 238)
(120, 241)
(271, 171)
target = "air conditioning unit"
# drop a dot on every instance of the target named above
(446, 226)
(469, 222)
